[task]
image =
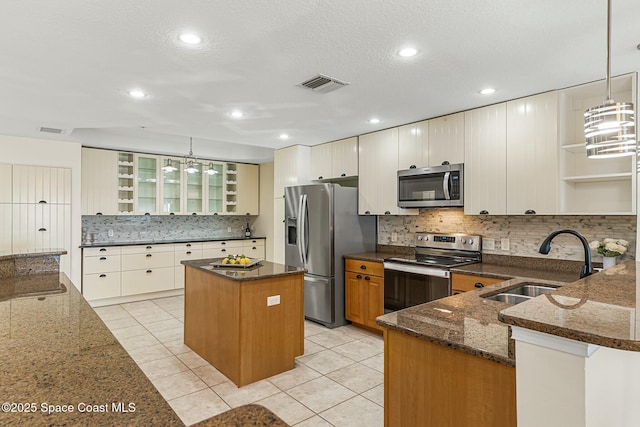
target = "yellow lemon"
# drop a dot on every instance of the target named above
(232, 261)
(225, 260)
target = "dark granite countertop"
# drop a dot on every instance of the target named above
(263, 270)
(244, 416)
(599, 309)
(31, 253)
(55, 350)
(160, 242)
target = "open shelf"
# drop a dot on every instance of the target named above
(605, 177)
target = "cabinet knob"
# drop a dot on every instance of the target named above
(149, 255)
(529, 212)
(484, 212)
(42, 229)
(320, 177)
(412, 167)
(343, 174)
(363, 267)
(367, 278)
(188, 252)
(42, 201)
(148, 247)
(188, 245)
(367, 212)
(387, 213)
(103, 275)
(103, 258)
(479, 285)
(149, 271)
(358, 276)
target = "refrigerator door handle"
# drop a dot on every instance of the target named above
(303, 242)
(299, 220)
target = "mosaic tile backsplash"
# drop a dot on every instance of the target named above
(525, 233)
(129, 229)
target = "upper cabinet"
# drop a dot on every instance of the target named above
(248, 189)
(290, 167)
(532, 155)
(378, 174)
(37, 184)
(193, 183)
(214, 192)
(485, 147)
(594, 186)
(99, 173)
(146, 188)
(446, 139)
(413, 145)
(171, 188)
(338, 159)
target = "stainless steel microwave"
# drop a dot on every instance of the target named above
(438, 186)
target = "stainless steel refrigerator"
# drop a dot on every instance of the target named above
(321, 225)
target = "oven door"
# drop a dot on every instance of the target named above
(406, 285)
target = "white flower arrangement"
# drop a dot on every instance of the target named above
(610, 247)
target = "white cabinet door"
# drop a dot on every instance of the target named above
(321, 161)
(5, 184)
(254, 248)
(368, 147)
(278, 231)
(184, 253)
(413, 145)
(446, 139)
(102, 285)
(344, 158)
(6, 214)
(532, 155)
(149, 280)
(485, 146)
(99, 182)
(291, 167)
(39, 184)
(248, 189)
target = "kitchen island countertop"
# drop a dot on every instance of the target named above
(262, 270)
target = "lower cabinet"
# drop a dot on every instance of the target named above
(101, 273)
(184, 252)
(364, 292)
(468, 282)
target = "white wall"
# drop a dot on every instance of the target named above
(44, 152)
(264, 223)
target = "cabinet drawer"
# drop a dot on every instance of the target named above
(143, 249)
(178, 282)
(190, 246)
(101, 264)
(221, 252)
(222, 244)
(254, 251)
(369, 267)
(104, 250)
(183, 255)
(467, 282)
(145, 261)
(149, 280)
(98, 286)
(252, 242)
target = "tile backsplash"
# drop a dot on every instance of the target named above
(129, 229)
(525, 233)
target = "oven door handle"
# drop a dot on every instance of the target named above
(425, 271)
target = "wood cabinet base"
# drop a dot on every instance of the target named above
(229, 324)
(432, 385)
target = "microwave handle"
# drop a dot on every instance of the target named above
(445, 185)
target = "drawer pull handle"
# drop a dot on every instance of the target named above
(103, 275)
(367, 278)
(248, 213)
(387, 213)
(484, 212)
(194, 213)
(42, 201)
(529, 212)
(148, 247)
(367, 212)
(412, 167)
(188, 245)
(147, 214)
(320, 177)
(254, 248)
(172, 213)
(215, 213)
(188, 252)
(98, 213)
(254, 241)
(42, 229)
(148, 255)
(343, 174)
(358, 276)
(103, 258)
(363, 267)
(223, 243)
(103, 250)
(149, 271)
(479, 285)
(223, 250)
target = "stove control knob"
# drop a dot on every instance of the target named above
(419, 238)
(463, 241)
(471, 241)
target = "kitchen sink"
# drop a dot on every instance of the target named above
(530, 290)
(509, 298)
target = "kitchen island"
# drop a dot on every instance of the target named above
(246, 322)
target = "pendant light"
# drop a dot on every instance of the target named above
(190, 160)
(609, 128)
(210, 170)
(169, 167)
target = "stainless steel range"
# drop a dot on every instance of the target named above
(425, 276)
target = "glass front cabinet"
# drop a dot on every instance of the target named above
(194, 189)
(171, 190)
(147, 172)
(214, 186)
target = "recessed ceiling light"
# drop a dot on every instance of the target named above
(374, 121)
(408, 52)
(236, 114)
(190, 38)
(137, 93)
(487, 91)
(284, 136)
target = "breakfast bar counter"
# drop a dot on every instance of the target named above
(248, 322)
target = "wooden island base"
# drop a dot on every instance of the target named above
(229, 324)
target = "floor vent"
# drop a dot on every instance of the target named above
(323, 84)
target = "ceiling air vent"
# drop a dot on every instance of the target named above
(52, 130)
(323, 84)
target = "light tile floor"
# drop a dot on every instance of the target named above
(337, 382)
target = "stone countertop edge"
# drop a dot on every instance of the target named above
(163, 242)
(263, 270)
(247, 415)
(4, 255)
(593, 310)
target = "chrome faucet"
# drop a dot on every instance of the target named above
(586, 270)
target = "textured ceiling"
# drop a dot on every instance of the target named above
(69, 64)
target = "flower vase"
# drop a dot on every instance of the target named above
(608, 261)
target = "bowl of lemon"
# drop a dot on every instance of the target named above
(241, 261)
